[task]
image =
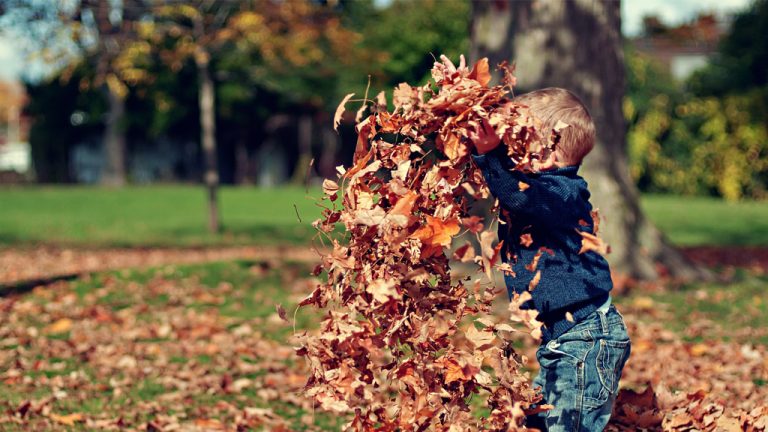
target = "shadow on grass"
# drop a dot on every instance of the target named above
(23, 287)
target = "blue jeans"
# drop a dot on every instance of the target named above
(580, 373)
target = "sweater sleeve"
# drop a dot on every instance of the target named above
(546, 198)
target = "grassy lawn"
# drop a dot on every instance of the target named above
(153, 216)
(175, 216)
(690, 221)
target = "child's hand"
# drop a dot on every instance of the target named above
(484, 137)
(450, 68)
(447, 69)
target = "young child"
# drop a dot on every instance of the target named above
(585, 342)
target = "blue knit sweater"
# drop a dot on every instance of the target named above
(552, 209)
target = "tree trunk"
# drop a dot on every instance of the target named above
(576, 44)
(327, 164)
(301, 171)
(243, 171)
(113, 171)
(208, 137)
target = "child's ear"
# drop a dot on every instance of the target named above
(548, 164)
(560, 160)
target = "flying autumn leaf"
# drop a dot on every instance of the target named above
(389, 291)
(437, 231)
(330, 187)
(465, 253)
(473, 223)
(481, 72)
(535, 280)
(281, 312)
(340, 111)
(591, 242)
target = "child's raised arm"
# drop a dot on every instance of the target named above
(544, 197)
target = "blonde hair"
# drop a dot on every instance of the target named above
(553, 104)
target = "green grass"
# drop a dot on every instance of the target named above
(153, 215)
(176, 216)
(690, 221)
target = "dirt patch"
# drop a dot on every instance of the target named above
(749, 257)
(18, 266)
(45, 263)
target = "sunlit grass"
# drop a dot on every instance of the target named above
(690, 221)
(175, 215)
(154, 216)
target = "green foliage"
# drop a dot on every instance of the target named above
(56, 104)
(684, 144)
(409, 32)
(742, 61)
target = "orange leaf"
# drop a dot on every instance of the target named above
(404, 205)
(453, 372)
(60, 326)
(69, 419)
(454, 148)
(481, 72)
(437, 231)
(478, 338)
(473, 223)
(209, 424)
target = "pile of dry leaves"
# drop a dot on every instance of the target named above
(392, 351)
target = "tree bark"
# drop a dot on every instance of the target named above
(327, 164)
(113, 171)
(576, 44)
(243, 171)
(208, 137)
(301, 171)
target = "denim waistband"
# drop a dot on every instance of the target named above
(600, 321)
(556, 325)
